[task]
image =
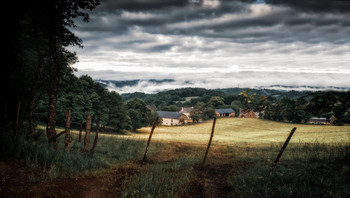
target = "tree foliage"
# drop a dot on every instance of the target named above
(139, 114)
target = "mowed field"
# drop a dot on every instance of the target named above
(240, 131)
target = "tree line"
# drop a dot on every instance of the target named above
(38, 81)
(288, 106)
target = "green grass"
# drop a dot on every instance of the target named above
(109, 153)
(306, 170)
(162, 180)
(315, 163)
(245, 130)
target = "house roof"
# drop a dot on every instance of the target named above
(186, 109)
(169, 114)
(228, 110)
(316, 118)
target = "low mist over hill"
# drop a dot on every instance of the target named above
(151, 86)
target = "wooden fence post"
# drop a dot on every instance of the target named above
(282, 149)
(87, 134)
(81, 129)
(67, 138)
(96, 136)
(211, 137)
(149, 139)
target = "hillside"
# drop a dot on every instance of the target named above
(243, 130)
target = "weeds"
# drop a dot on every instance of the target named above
(162, 180)
(309, 170)
(58, 163)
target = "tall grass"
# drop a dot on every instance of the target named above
(162, 180)
(110, 152)
(306, 170)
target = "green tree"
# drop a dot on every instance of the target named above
(216, 102)
(173, 108)
(53, 19)
(139, 114)
(118, 115)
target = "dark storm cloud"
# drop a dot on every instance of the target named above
(138, 5)
(157, 38)
(324, 6)
(287, 22)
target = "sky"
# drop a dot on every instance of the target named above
(217, 43)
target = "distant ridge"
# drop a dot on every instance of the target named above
(158, 85)
(124, 83)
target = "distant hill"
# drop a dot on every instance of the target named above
(158, 85)
(167, 96)
(119, 84)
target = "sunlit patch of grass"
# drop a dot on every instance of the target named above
(245, 130)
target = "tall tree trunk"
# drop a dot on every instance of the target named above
(97, 131)
(87, 135)
(67, 138)
(51, 123)
(81, 129)
(17, 117)
(34, 91)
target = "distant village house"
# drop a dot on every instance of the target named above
(172, 118)
(247, 113)
(228, 112)
(186, 110)
(316, 120)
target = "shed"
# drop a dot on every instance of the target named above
(228, 112)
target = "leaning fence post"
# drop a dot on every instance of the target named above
(282, 149)
(80, 130)
(149, 140)
(211, 137)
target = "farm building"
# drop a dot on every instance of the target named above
(316, 120)
(186, 111)
(172, 118)
(247, 113)
(225, 112)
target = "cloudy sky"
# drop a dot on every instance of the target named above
(218, 43)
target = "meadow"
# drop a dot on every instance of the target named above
(244, 130)
(315, 163)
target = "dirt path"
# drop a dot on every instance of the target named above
(210, 182)
(16, 181)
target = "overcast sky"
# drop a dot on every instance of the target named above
(218, 44)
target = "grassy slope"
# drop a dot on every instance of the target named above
(238, 163)
(243, 130)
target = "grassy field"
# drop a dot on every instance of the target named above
(315, 163)
(244, 130)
